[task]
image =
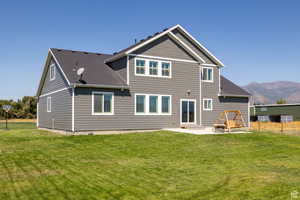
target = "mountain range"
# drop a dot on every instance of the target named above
(268, 93)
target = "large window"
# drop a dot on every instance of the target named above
(207, 104)
(102, 103)
(52, 72)
(49, 104)
(140, 103)
(140, 66)
(153, 68)
(207, 74)
(152, 104)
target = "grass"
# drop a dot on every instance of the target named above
(37, 164)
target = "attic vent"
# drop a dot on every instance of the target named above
(156, 33)
(115, 53)
(58, 49)
(99, 54)
(73, 51)
(142, 40)
(85, 52)
(149, 37)
(165, 29)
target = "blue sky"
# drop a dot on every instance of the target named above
(257, 40)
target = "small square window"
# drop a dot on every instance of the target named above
(207, 104)
(207, 74)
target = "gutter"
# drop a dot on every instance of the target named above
(233, 95)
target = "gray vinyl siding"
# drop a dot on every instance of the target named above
(120, 66)
(185, 76)
(210, 90)
(60, 116)
(193, 46)
(164, 47)
(58, 83)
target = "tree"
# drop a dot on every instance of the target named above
(281, 101)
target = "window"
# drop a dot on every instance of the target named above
(153, 67)
(263, 109)
(286, 118)
(102, 103)
(140, 66)
(48, 104)
(52, 72)
(207, 74)
(152, 104)
(165, 104)
(165, 69)
(140, 103)
(207, 104)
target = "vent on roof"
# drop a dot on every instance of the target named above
(115, 53)
(156, 33)
(73, 51)
(99, 54)
(58, 49)
(85, 52)
(149, 36)
(142, 40)
(165, 29)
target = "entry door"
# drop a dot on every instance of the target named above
(188, 111)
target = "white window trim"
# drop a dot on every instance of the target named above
(112, 103)
(207, 109)
(147, 68)
(195, 111)
(159, 104)
(49, 104)
(212, 74)
(54, 72)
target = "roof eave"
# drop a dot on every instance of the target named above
(233, 95)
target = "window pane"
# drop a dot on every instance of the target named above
(165, 104)
(98, 98)
(153, 104)
(153, 67)
(209, 74)
(52, 71)
(107, 102)
(204, 75)
(184, 111)
(191, 111)
(140, 66)
(140, 103)
(165, 69)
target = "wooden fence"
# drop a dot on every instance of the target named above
(276, 126)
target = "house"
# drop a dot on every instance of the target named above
(164, 81)
(275, 112)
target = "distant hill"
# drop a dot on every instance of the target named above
(266, 93)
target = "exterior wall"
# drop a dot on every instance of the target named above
(58, 83)
(120, 66)
(192, 46)
(185, 76)
(60, 116)
(164, 47)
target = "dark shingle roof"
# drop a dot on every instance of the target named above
(228, 88)
(96, 71)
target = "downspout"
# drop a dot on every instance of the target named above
(200, 95)
(73, 108)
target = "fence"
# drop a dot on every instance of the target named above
(276, 126)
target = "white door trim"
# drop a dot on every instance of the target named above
(195, 111)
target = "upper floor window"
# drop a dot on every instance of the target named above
(165, 69)
(140, 66)
(52, 72)
(49, 104)
(207, 74)
(153, 68)
(207, 104)
(153, 65)
(102, 103)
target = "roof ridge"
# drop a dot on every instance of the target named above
(77, 51)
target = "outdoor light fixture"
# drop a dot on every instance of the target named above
(188, 92)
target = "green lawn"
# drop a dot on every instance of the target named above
(36, 165)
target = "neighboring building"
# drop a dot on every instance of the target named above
(276, 112)
(167, 80)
